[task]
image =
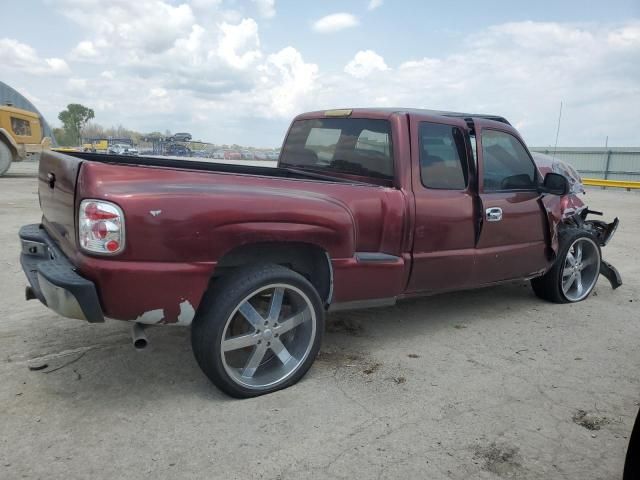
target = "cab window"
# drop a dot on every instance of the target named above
(20, 126)
(506, 163)
(356, 146)
(443, 162)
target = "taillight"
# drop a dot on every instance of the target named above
(101, 227)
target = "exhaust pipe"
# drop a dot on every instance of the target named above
(139, 337)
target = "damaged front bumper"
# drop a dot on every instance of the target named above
(53, 279)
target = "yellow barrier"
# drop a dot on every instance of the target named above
(597, 182)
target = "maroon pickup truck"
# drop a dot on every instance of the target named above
(365, 207)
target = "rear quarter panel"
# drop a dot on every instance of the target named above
(179, 223)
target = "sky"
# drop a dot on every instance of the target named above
(238, 71)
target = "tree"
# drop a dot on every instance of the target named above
(74, 118)
(62, 138)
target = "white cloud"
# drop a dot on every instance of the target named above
(210, 74)
(287, 81)
(149, 26)
(626, 37)
(522, 71)
(239, 44)
(335, 22)
(18, 56)
(267, 8)
(77, 85)
(365, 63)
(373, 4)
(84, 50)
(158, 92)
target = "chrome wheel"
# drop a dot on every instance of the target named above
(581, 269)
(268, 336)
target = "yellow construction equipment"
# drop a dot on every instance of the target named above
(20, 136)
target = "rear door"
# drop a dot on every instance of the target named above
(512, 241)
(445, 225)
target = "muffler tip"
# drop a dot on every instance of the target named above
(140, 343)
(139, 337)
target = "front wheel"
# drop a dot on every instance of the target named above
(5, 158)
(258, 331)
(575, 272)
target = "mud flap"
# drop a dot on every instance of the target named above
(610, 273)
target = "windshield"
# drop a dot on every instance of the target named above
(354, 146)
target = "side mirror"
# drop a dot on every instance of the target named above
(555, 184)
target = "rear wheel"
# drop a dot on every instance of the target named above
(5, 158)
(575, 273)
(259, 330)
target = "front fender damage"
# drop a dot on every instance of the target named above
(570, 212)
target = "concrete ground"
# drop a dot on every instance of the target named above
(485, 384)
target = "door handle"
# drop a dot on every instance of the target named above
(494, 214)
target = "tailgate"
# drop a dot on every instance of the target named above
(56, 188)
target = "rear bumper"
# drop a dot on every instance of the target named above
(53, 278)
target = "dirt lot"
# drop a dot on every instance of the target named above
(485, 384)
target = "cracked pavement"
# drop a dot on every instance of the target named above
(486, 384)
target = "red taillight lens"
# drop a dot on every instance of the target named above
(101, 227)
(94, 211)
(112, 246)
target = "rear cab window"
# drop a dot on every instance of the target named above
(353, 146)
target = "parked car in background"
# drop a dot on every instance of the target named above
(232, 155)
(122, 149)
(258, 155)
(218, 154)
(365, 207)
(177, 150)
(180, 137)
(272, 155)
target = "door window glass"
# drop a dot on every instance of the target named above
(506, 163)
(442, 156)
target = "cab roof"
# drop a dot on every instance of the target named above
(354, 112)
(19, 111)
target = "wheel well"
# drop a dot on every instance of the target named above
(308, 260)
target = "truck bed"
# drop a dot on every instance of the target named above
(216, 167)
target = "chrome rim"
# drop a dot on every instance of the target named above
(581, 269)
(268, 336)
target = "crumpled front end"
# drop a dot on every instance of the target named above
(569, 211)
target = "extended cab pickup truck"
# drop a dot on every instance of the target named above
(365, 207)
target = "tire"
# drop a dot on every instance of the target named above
(247, 355)
(583, 270)
(632, 463)
(5, 158)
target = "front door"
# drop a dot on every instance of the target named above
(512, 241)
